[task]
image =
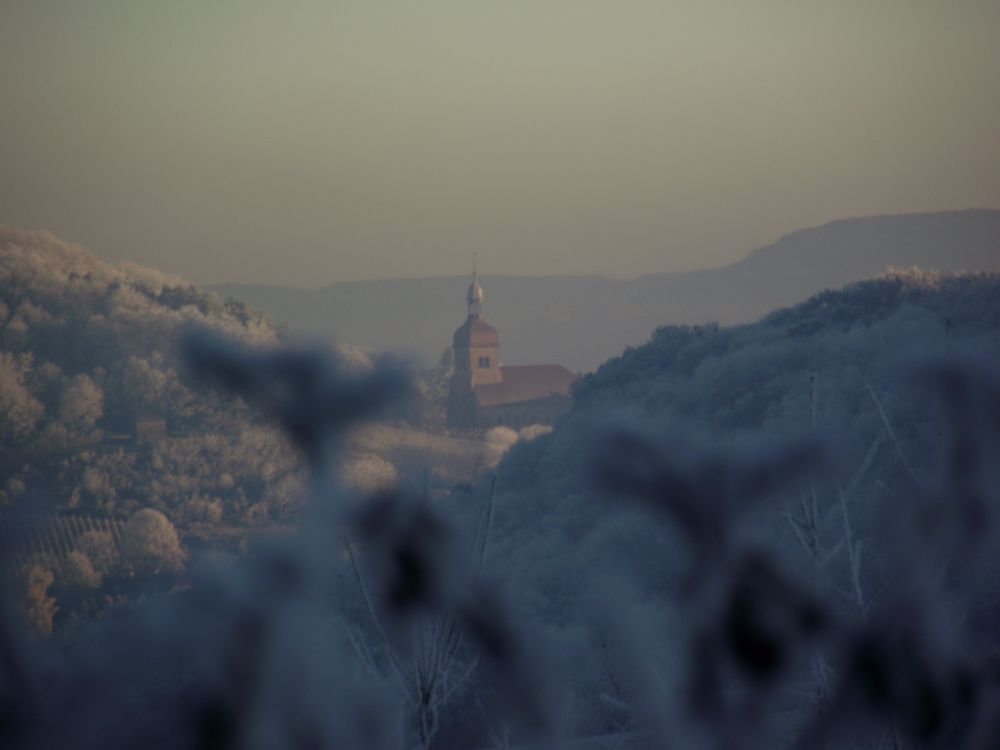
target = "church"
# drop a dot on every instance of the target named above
(483, 393)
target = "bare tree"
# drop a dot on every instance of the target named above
(433, 668)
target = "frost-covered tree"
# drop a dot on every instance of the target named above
(99, 549)
(80, 571)
(81, 404)
(38, 607)
(150, 544)
(19, 409)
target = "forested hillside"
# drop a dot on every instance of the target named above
(750, 532)
(834, 366)
(97, 417)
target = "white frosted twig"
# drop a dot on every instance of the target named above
(796, 526)
(405, 679)
(891, 434)
(487, 523)
(501, 739)
(853, 555)
(462, 679)
(865, 465)
(813, 495)
(616, 703)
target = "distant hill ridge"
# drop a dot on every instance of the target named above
(582, 320)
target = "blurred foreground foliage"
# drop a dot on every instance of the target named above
(803, 563)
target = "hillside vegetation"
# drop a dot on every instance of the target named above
(88, 363)
(832, 366)
(100, 424)
(780, 535)
(776, 535)
(98, 417)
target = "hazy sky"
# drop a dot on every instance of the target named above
(327, 141)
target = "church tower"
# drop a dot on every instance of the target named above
(476, 348)
(476, 343)
(482, 394)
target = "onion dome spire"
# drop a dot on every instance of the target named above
(474, 296)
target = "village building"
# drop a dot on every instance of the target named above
(483, 393)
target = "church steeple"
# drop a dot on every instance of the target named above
(482, 393)
(476, 343)
(475, 294)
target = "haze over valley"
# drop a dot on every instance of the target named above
(580, 321)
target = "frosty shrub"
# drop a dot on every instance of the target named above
(499, 440)
(367, 472)
(80, 571)
(38, 607)
(150, 544)
(19, 410)
(80, 405)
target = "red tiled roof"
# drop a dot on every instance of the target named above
(476, 332)
(525, 383)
